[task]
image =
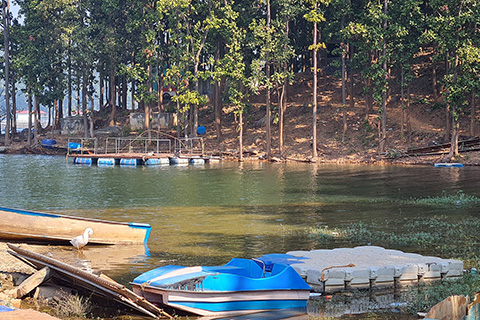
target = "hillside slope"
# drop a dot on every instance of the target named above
(427, 122)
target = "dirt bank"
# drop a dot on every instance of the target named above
(10, 264)
(421, 124)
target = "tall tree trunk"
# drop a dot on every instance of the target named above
(14, 106)
(383, 140)
(281, 111)
(268, 121)
(60, 112)
(133, 94)
(112, 97)
(409, 124)
(69, 86)
(159, 78)
(368, 98)
(447, 109)
(473, 114)
(37, 126)
(56, 121)
(30, 108)
(197, 87)
(102, 90)
(455, 121)
(402, 102)
(124, 92)
(79, 95)
(315, 80)
(119, 102)
(344, 93)
(217, 101)
(132, 85)
(6, 27)
(148, 103)
(434, 81)
(90, 118)
(350, 75)
(240, 136)
(49, 116)
(282, 101)
(84, 101)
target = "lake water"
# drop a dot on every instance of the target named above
(204, 215)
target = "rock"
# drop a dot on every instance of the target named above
(16, 303)
(52, 292)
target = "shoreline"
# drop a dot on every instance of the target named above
(369, 157)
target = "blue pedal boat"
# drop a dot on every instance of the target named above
(242, 286)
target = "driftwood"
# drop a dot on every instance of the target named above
(99, 284)
(32, 282)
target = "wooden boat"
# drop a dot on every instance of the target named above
(22, 225)
(241, 286)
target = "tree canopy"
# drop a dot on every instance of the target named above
(103, 50)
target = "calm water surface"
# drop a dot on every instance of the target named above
(204, 215)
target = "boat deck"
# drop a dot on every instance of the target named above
(366, 267)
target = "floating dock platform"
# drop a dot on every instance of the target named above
(365, 267)
(138, 159)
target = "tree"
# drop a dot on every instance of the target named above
(288, 11)
(406, 28)
(6, 45)
(454, 27)
(315, 15)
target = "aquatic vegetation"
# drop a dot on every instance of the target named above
(438, 235)
(458, 199)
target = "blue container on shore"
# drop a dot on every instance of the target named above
(201, 130)
(73, 146)
(49, 143)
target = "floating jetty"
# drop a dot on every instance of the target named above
(365, 267)
(139, 159)
(132, 152)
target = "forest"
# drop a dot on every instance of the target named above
(126, 54)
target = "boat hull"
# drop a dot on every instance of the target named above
(208, 303)
(22, 225)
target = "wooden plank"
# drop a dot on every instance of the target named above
(33, 281)
(90, 281)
